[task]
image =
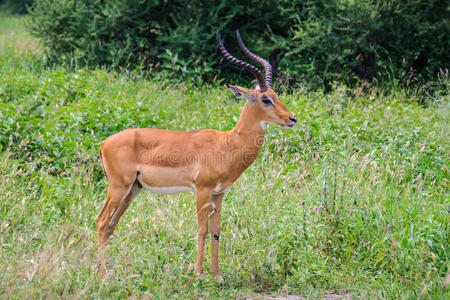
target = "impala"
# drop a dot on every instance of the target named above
(206, 162)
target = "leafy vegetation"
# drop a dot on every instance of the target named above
(316, 42)
(15, 6)
(354, 199)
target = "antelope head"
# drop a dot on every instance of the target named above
(262, 101)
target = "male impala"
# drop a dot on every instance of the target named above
(206, 162)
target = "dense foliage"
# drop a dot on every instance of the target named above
(15, 6)
(178, 35)
(314, 41)
(386, 40)
(353, 200)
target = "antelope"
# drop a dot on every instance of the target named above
(206, 161)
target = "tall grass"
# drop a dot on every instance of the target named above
(353, 200)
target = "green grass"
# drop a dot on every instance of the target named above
(354, 199)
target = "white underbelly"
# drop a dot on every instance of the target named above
(169, 190)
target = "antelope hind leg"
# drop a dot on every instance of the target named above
(119, 198)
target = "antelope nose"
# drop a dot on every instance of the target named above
(293, 119)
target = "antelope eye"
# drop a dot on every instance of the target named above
(267, 101)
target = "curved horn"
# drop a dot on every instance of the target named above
(262, 61)
(242, 64)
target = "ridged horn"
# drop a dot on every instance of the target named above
(262, 61)
(252, 69)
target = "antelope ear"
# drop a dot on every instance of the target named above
(241, 92)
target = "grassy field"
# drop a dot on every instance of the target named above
(353, 200)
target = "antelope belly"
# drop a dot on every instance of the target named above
(168, 190)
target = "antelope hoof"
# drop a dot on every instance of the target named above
(218, 279)
(101, 271)
(101, 265)
(199, 275)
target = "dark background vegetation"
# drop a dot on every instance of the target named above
(393, 42)
(15, 6)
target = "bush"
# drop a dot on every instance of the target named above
(366, 40)
(317, 41)
(144, 33)
(15, 6)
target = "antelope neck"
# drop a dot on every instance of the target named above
(248, 131)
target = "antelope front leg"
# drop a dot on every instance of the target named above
(216, 201)
(203, 209)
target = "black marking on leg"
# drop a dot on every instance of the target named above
(216, 237)
(139, 185)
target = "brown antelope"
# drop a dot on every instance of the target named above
(206, 162)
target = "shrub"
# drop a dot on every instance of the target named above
(15, 6)
(316, 41)
(366, 40)
(145, 33)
